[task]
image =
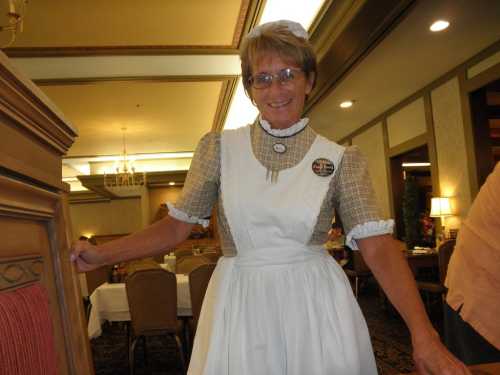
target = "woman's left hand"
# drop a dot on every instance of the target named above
(432, 358)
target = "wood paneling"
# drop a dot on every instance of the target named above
(19, 272)
(29, 236)
(34, 223)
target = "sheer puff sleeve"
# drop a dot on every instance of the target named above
(355, 202)
(201, 187)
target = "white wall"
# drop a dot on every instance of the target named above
(407, 123)
(113, 217)
(450, 148)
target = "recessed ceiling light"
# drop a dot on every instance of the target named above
(347, 104)
(171, 183)
(439, 25)
(424, 164)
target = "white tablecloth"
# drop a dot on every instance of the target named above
(109, 302)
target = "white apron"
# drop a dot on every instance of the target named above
(279, 307)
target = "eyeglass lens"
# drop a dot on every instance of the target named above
(264, 80)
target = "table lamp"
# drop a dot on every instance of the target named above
(440, 207)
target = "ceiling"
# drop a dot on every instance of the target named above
(164, 72)
(167, 71)
(408, 59)
(159, 116)
(132, 24)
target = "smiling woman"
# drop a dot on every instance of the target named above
(280, 57)
(277, 302)
(279, 103)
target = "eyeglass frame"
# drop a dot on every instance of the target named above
(274, 76)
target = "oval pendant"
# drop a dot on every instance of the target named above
(279, 148)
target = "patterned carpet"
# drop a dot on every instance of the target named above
(390, 339)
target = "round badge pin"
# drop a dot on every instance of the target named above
(279, 148)
(323, 167)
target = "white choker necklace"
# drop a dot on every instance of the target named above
(284, 133)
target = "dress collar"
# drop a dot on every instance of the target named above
(283, 133)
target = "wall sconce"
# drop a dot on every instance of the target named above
(441, 207)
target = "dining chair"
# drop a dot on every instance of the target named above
(141, 264)
(357, 269)
(198, 283)
(445, 251)
(188, 263)
(97, 277)
(152, 299)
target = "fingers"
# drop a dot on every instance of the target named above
(455, 366)
(435, 359)
(76, 248)
(446, 365)
(77, 256)
(83, 266)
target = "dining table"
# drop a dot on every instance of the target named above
(418, 260)
(422, 259)
(109, 303)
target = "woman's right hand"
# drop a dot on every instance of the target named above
(86, 256)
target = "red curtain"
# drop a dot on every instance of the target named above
(26, 336)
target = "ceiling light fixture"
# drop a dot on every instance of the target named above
(439, 25)
(425, 164)
(124, 182)
(171, 183)
(347, 104)
(15, 18)
(70, 179)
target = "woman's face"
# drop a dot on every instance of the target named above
(280, 104)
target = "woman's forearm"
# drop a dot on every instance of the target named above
(164, 234)
(390, 268)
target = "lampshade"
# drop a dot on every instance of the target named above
(440, 206)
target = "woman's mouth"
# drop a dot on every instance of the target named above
(280, 104)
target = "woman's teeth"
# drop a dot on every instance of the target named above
(279, 104)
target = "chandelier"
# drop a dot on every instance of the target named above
(125, 181)
(14, 21)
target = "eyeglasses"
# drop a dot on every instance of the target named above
(265, 80)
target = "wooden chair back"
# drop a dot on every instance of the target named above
(444, 254)
(152, 299)
(97, 277)
(186, 264)
(141, 264)
(198, 283)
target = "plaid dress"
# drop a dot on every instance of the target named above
(350, 197)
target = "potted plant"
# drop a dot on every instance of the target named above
(411, 212)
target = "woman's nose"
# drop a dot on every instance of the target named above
(276, 86)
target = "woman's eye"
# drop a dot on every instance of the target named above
(287, 75)
(262, 78)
